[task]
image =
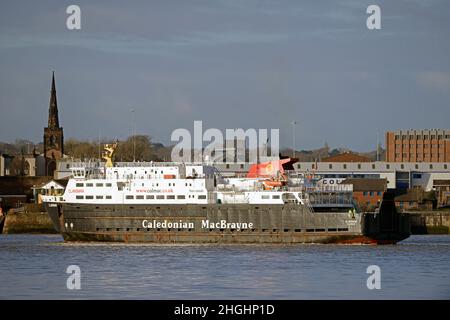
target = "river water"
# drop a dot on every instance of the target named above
(34, 267)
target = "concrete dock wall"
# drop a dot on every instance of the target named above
(430, 222)
(28, 222)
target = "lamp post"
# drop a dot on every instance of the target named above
(132, 135)
(293, 138)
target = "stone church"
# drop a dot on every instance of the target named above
(53, 134)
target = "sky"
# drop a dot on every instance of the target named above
(229, 63)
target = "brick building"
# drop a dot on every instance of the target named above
(367, 192)
(427, 145)
(346, 157)
(414, 199)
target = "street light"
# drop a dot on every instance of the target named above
(132, 134)
(293, 138)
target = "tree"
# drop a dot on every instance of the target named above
(136, 147)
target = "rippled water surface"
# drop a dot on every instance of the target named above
(34, 267)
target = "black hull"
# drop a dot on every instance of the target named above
(281, 224)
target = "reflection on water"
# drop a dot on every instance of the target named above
(33, 266)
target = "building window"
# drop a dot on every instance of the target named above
(89, 197)
(345, 166)
(181, 197)
(359, 165)
(388, 166)
(330, 166)
(373, 166)
(228, 166)
(150, 197)
(299, 166)
(275, 197)
(402, 166)
(108, 197)
(159, 197)
(416, 166)
(371, 193)
(109, 185)
(431, 166)
(170, 197)
(99, 184)
(129, 197)
(365, 193)
(98, 197)
(379, 193)
(445, 166)
(202, 196)
(79, 197)
(140, 197)
(78, 185)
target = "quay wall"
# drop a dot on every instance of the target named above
(25, 221)
(430, 222)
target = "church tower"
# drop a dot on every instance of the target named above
(53, 134)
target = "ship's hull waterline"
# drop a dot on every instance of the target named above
(223, 223)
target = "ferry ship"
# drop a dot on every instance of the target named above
(192, 203)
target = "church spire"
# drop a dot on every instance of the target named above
(53, 121)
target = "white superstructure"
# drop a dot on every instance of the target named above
(167, 183)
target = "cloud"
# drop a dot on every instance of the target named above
(439, 81)
(135, 44)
